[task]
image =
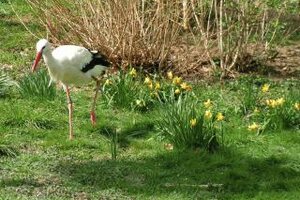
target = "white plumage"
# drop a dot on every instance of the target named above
(66, 62)
(71, 65)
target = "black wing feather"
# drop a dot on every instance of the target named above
(97, 59)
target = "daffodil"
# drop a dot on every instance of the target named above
(150, 85)
(208, 114)
(133, 72)
(140, 103)
(185, 86)
(177, 91)
(253, 127)
(169, 147)
(208, 103)
(170, 75)
(147, 80)
(108, 82)
(193, 122)
(280, 101)
(273, 103)
(157, 86)
(220, 116)
(154, 94)
(177, 80)
(297, 106)
(265, 88)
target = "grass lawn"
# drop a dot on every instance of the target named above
(48, 165)
(37, 161)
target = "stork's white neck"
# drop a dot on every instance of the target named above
(47, 55)
(51, 63)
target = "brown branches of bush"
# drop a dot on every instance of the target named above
(129, 32)
(142, 32)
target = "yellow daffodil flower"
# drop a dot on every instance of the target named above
(108, 82)
(185, 86)
(265, 88)
(208, 103)
(297, 106)
(193, 122)
(133, 72)
(154, 94)
(177, 80)
(253, 127)
(208, 114)
(280, 101)
(170, 75)
(177, 91)
(140, 103)
(147, 80)
(157, 86)
(150, 85)
(220, 116)
(273, 103)
(169, 147)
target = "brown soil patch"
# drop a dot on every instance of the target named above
(191, 62)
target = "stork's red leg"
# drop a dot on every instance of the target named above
(70, 107)
(93, 115)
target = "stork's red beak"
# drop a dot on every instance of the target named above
(36, 60)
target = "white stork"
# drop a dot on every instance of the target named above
(72, 65)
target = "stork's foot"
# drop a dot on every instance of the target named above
(93, 118)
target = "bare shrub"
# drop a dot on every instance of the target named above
(226, 36)
(129, 32)
(233, 27)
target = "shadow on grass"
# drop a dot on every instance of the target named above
(192, 174)
(137, 131)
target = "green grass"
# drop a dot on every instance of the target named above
(17, 45)
(48, 165)
(37, 161)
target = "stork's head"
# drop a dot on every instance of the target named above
(42, 46)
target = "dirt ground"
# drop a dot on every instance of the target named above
(193, 63)
(287, 61)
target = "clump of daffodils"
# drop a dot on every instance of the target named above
(133, 72)
(256, 110)
(208, 103)
(147, 80)
(157, 86)
(185, 86)
(152, 85)
(108, 82)
(208, 114)
(177, 80)
(177, 91)
(170, 75)
(297, 106)
(169, 147)
(220, 116)
(140, 103)
(154, 94)
(193, 122)
(265, 88)
(253, 127)
(273, 103)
